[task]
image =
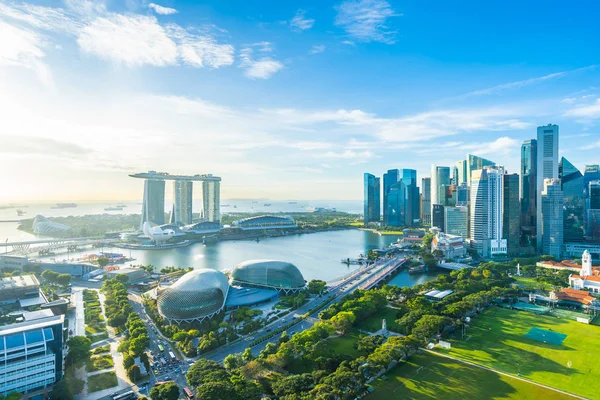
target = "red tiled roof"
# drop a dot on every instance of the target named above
(578, 296)
(588, 278)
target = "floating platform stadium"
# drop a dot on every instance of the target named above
(203, 293)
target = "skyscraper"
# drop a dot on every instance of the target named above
(438, 217)
(528, 192)
(439, 176)
(592, 221)
(547, 166)
(396, 207)
(390, 178)
(552, 218)
(474, 163)
(511, 223)
(574, 201)
(372, 198)
(456, 221)
(153, 206)
(211, 199)
(461, 172)
(486, 222)
(593, 212)
(411, 196)
(426, 201)
(182, 202)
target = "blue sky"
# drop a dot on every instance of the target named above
(284, 100)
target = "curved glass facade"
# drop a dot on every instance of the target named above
(268, 273)
(196, 295)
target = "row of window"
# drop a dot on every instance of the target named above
(27, 371)
(36, 380)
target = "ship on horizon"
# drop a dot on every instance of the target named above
(64, 205)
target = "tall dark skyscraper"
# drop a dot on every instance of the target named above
(574, 201)
(372, 198)
(396, 207)
(412, 203)
(389, 178)
(593, 212)
(528, 192)
(426, 201)
(511, 225)
(547, 168)
(438, 219)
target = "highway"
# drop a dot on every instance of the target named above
(363, 278)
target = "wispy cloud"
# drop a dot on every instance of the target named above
(162, 10)
(346, 154)
(526, 82)
(585, 112)
(300, 22)
(367, 20)
(316, 49)
(259, 68)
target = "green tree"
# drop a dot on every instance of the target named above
(293, 384)
(247, 355)
(218, 390)
(204, 371)
(63, 279)
(103, 262)
(232, 361)
(316, 286)
(134, 373)
(138, 344)
(117, 320)
(128, 361)
(284, 338)
(79, 350)
(168, 391)
(61, 391)
(122, 278)
(342, 322)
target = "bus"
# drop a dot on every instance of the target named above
(172, 356)
(188, 393)
(161, 348)
(125, 396)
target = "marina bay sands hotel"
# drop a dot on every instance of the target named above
(153, 208)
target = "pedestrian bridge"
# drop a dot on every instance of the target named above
(454, 266)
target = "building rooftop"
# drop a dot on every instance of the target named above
(22, 281)
(165, 176)
(33, 315)
(587, 278)
(438, 294)
(35, 324)
(577, 296)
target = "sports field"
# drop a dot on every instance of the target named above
(427, 376)
(497, 339)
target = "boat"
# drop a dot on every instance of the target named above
(122, 205)
(117, 208)
(354, 261)
(293, 202)
(20, 212)
(267, 204)
(64, 205)
(225, 205)
(417, 269)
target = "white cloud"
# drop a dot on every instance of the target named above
(346, 154)
(367, 20)
(162, 10)
(132, 40)
(316, 49)
(200, 51)
(585, 112)
(591, 146)
(22, 47)
(262, 68)
(300, 22)
(502, 145)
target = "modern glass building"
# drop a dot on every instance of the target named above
(396, 204)
(528, 192)
(269, 274)
(426, 201)
(593, 212)
(440, 176)
(552, 218)
(512, 216)
(462, 195)
(31, 354)
(574, 201)
(592, 215)
(372, 198)
(211, 200)
(461, 173)
(264, 222)
(474, 163)
(412, 204)
(390, 178)
(456, 220)
(547, 166)
(438, 217)
(197, 295)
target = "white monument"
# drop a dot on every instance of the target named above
(384, 327)
(518, 269)
(586, 264)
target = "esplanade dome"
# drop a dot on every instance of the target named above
(197, 295)
(272, 274)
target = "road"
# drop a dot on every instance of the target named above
(364, 277)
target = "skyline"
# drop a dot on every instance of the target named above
(281, 101)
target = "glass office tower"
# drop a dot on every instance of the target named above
(528, 192)
(574, 201)
(372, 199)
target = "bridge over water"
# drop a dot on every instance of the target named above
(46, 246)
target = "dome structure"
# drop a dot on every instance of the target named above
(197, 295)
(272, 274)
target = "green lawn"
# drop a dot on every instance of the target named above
(102, 381)
(530, 283)
(98, 363)
(442, 378)
(344, 345)
(373, 323)
(497, 340)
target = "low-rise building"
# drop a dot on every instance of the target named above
(451, 246)
(14, 289)
(31, 354)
